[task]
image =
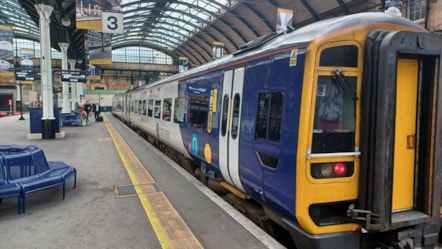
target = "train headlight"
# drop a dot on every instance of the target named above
(326, 170)
(332, 170)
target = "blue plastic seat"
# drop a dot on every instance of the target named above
(24, 169)
(31, 175)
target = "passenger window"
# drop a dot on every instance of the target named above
(342, 56)
(167, 109)
(157, 109)
(150, 107)
(335, 117)
(235, 116)
(199, 108)
(180, 111)
(224, 115)
(269, 116)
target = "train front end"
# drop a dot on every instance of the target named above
(369, 159)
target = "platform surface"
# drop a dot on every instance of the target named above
(128, 195)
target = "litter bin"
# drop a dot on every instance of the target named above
(35, 115)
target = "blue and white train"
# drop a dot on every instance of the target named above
(334, 129)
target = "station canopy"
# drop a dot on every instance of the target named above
(179, 28)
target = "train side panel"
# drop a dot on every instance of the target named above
(152, 111)
(200, 129)
(272, 93)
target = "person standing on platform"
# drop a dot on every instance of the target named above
(87, 108)
(96, 110)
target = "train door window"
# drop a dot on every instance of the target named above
(198, 112)
(269, 116)
(225, 115)
(132, 106)
(150, 107)
(140, 106)
(144, 107)
(235, 115)
(157, 109)
(180, 112)
(335, 116)
(167, 109)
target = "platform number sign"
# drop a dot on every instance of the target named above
(112, 22)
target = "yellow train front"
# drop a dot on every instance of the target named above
(370, 137)
(333, 129)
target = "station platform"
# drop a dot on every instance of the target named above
(128, 195)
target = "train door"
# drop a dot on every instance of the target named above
(405, 133)
(230, 126)
(400, 131)
(127, 106)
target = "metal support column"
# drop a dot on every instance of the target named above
(65, 85)
(73, 85)
(48, 119)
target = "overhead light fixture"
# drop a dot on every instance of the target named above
(65, 21)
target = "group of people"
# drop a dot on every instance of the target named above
(87, 108)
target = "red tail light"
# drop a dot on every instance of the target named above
(340, 169)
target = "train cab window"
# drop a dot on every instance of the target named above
(180, 112)
(198, 111)
(335, 116)
(342, 56)
(167, 109)
(269, 116)
(157, 109)
(235, 115)
(150, 107)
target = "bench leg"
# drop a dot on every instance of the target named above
(23, 206)
(64, 190)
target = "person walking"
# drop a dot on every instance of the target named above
(96, 110)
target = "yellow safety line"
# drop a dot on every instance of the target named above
(160, 232)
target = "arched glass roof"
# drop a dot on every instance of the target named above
(165, 25)
(187, 28)
(12, 13)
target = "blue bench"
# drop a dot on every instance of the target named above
(26, 167)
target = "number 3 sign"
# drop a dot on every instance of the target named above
(112, 22)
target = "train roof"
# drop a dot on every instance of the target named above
(298, 37)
